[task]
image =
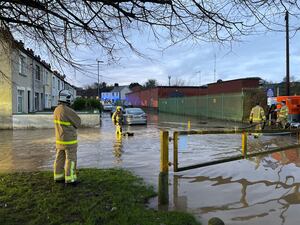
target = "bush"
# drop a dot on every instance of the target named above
(81, 104)
(92, 104)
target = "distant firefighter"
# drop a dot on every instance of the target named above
(282, 115)
(117, 119)
(257, 116)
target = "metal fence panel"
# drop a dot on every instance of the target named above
(222, 106)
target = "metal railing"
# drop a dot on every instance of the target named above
(164, 146)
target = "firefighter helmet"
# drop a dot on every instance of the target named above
(65, 96)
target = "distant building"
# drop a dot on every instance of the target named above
(150, 97)
(47, 85)
(71, 88)
(118, 93)
(57, 86)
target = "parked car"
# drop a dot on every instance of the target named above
(135, 116)
(107, 107)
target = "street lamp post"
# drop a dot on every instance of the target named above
(99, 61)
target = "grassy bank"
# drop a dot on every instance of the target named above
(108, 197)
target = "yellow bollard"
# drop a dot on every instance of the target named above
(189, 125)
(175, 151)
(244, 144)
(163, 190)
(164, 151)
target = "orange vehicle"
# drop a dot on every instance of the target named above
(293, 104)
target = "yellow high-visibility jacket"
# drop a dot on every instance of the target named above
(283, 112)
(117, 117)
(66, 122)
(257, 114)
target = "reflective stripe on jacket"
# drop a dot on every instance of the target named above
(117, 117)
(257, 114)
(283, 112)
(66, 122)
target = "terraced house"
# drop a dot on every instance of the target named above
(27, 83)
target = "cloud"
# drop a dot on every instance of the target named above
(258, 55)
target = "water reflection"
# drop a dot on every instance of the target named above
(21, 152)
(117, 149)
(242, 198)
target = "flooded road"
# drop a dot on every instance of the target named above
(261, 190)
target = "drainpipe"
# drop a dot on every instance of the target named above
(33, 89)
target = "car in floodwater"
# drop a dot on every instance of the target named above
(134, 116)
(107, 107)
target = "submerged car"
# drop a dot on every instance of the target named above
(135, 116)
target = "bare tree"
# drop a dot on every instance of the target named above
(151, 83)
(179, 82)
(62, 25)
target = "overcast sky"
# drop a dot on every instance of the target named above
(256, 56)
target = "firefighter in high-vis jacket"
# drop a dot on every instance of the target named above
(257, 116)
(282, 115)
(117, 119)
(66, 123)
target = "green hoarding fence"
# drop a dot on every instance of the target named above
(222, 106)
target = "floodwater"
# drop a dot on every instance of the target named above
(260, 190)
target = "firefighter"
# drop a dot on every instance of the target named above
(257, 116)
(66, 123)
(117, 119)
(282, 115)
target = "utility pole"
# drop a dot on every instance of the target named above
(169, 77)
(287, 54)
(199, 73)
(215, 65)
(99, 61)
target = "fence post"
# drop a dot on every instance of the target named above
(175, 151)
(298, 137)
(164, 151)
(244, 144)
(163, 190)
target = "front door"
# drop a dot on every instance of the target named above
(28, 100)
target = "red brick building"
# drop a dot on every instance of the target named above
(149, 97)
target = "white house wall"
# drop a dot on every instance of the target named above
(22, 81)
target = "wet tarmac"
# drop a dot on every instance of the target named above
(261, 190)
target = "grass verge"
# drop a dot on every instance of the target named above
(108, 197)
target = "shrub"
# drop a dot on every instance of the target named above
(79, 104)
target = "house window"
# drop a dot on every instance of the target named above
(37, 72)
(36, 101)
(20, 101)
(46, 77)
(53, 82)
(22, 65)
